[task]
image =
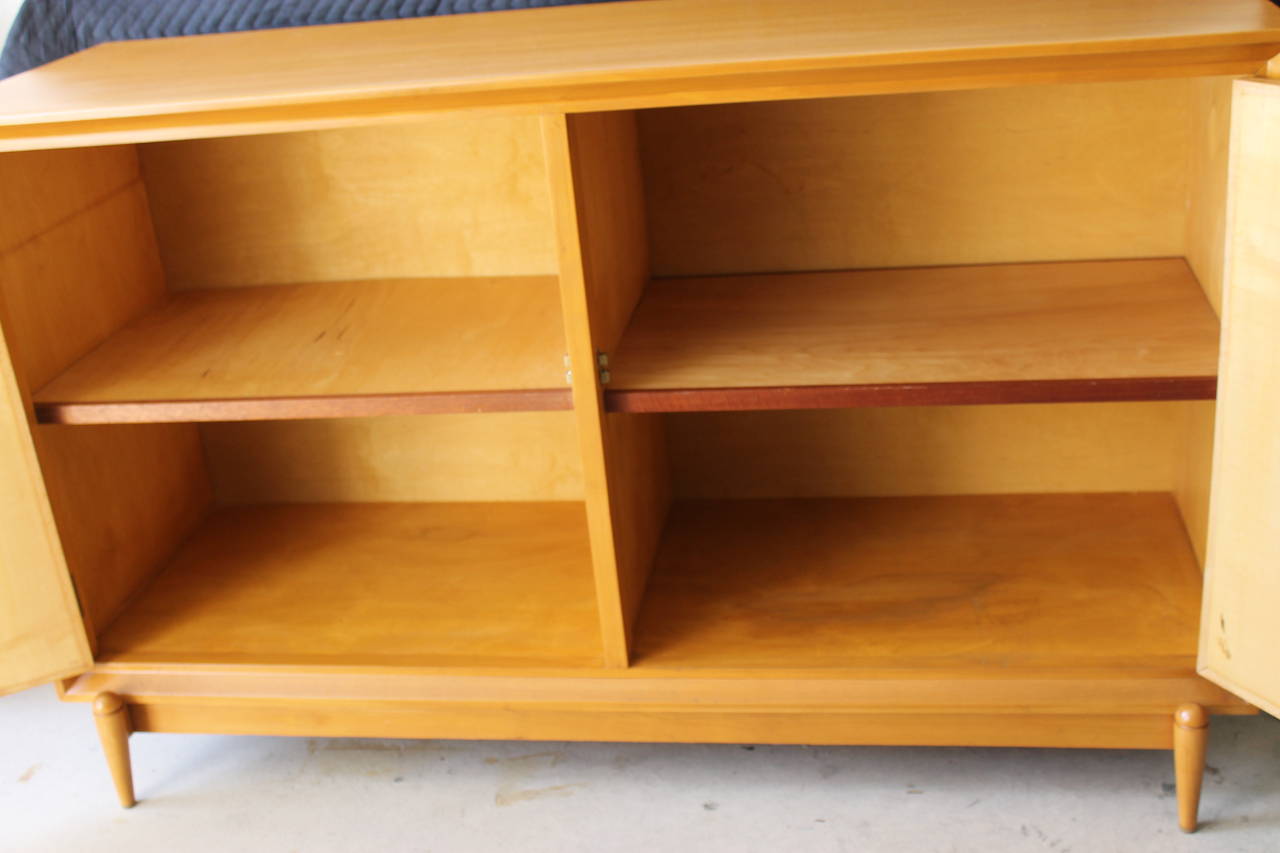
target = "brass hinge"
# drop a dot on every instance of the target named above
(602, 362)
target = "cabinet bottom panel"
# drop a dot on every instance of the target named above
(409, 584)
(987, 584)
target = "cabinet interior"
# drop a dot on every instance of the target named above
(302, 396)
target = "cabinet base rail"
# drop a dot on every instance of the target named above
(1187, 736)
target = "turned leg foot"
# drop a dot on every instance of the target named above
(112, 717)
(1190, 736)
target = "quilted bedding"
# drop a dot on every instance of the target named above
(45, 30)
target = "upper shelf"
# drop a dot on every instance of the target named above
(1049, 332)
(612, 56)
(325, 350)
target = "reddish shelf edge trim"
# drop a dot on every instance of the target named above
(297, 408)
(911, 394)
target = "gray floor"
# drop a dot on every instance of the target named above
(282, 794)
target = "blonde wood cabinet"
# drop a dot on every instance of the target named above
(684, 370)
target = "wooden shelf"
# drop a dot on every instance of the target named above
(465, 584)
(1049, 332)
(339, 349)
(982, 585)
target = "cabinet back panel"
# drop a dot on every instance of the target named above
(488, 457)
(1094, 447)
(1023, 174)
(449, 197)
(78, 260)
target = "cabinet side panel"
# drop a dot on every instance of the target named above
(614, 242)
(1041, 173)
(69, 287)
(594, 171)
(1193, 472)
(1239, 632)
(447, 197)
(1206, 246)
(73, 271)
(1102, 447)
(124, 498)
(640, 489)
(44, 188)
(1208, 150)
(528, 456)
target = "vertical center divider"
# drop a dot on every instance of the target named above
(597, 192)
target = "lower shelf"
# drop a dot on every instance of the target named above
(1016, 588)
(444, 584)
(970, 584)
(1010, 620)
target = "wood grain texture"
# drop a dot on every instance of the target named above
(949, 450)
(811, 729)
(1193, 473)
(994, 176)
(1206, 243)
(469, 584)
(640, 490)
(594, 173)
(1082, 690)
(124, 498)
(353, 339)
(41, 634)
(608, 193)
(42, 189)
(1015, 322)
(612, 95)
(81, 263)
(617, 55)
(1206, 237)
(1054, 581)
(490, 457)
(111, 717)
(442, 198)
(1190, 743)
(1242, 586)
(68, 288)
(614, 242)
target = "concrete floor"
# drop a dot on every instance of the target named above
(207, 793)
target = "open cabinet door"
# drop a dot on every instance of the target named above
(1240, 625)
(42, 636)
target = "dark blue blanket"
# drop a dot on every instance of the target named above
(45, 30)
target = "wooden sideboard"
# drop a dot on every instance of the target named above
(683, 370)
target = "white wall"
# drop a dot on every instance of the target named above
(8, 8)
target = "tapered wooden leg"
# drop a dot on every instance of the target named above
(1190, 736)
(112, 717)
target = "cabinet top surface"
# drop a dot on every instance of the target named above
(645, 52)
